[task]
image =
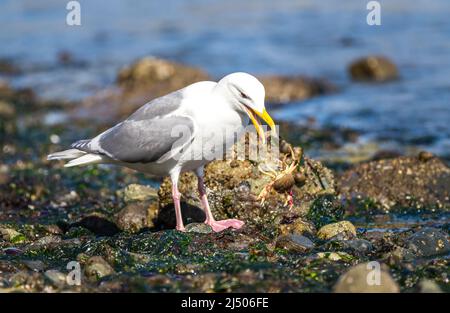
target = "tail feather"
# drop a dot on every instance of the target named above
(66, 154)
(76, 157)
(85, 160)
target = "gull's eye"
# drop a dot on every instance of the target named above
(243, 95)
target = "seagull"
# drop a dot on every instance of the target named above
(174, 133)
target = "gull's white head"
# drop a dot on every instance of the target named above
(246, 93)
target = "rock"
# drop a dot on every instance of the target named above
(53, 229)
(233, 188)
(136, 216)
(429, 286)
(135, 192)
(282, 89)
(298, 227)
(142, 81)
(325, 209)
(28, 281)
(334, 256)
(200, 228)
(424, 156)
(343, 230)
(96, 268)
(360, 246)
(7, 110)
(373, 68)
(35, 265)
(363, 278)
(12, 235)
(402, 183)
(149, 71)
(97, 224)
(57, 278)
(7, 267)
(191, 214)
(294, 243)
(428, 242)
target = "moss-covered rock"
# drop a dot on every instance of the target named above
(342, 230)
(404, 183)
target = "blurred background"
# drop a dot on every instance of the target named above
(316, 40)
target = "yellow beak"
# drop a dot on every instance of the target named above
(265, 117)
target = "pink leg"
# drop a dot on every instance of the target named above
(217, 226)
(176, 195)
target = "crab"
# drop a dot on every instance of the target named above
(282, 180)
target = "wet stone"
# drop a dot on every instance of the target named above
(57, 278)
(428, 242)
(136, 216)
(294, 243)
(96, 267)
(35, 265)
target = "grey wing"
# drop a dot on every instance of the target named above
(159, 107)
(144, 141)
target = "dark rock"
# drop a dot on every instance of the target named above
(35, 265)
(425, 156)
(358, 247)
(428, 242)
(373, 68)
(403, 182)
(386, 154)
(362, 278)
(295, 243)
(97, 224)
(191, 214)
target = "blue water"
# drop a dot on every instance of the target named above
(317, 38)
